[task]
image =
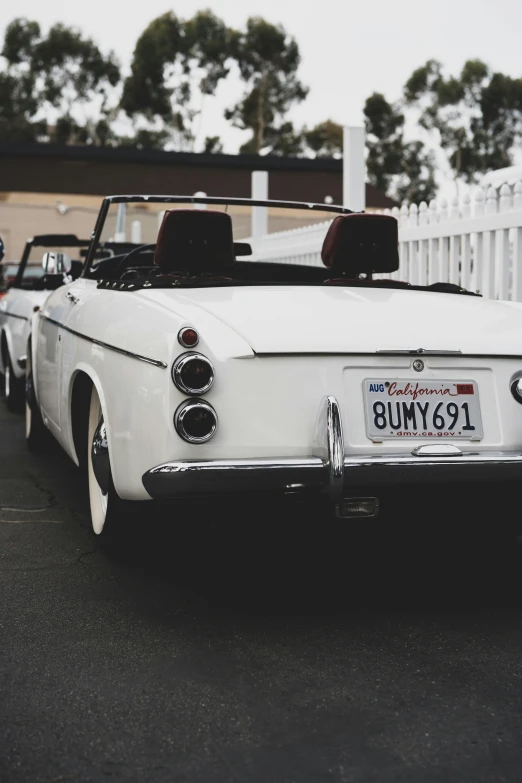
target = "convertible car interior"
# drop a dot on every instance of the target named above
(195, 248)
(31, 276)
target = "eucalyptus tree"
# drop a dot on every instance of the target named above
(268, 60)
(403, 169)
(325, 139)
(58, 85)
(477, 115)
(175, 62)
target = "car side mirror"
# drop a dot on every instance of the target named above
(56, 263)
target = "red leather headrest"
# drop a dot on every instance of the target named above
(362, 243)
(195, 240)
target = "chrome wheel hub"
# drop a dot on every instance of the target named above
(100, 457)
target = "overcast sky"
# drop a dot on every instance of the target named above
(349, 49)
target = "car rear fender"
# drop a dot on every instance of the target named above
(69, 441)
(6, 344)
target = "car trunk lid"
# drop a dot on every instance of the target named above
(322, 319)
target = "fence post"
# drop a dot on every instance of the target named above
(396, 214)
(433, 217)
(488, 269)
(517, 247)
(259, 214)
(354, 175)
(413, 246)
(502, 259)
(466, 245)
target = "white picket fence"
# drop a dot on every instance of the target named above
(476, 243)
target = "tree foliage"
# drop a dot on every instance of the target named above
(172, 60)
(212, 145)
(325, 139)
(477, 114)
(47, 77)
(268, 59)
(59, 86)
(403, 169)
(18, 102)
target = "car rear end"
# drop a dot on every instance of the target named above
(347, 426)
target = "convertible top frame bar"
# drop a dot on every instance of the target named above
(220, 200)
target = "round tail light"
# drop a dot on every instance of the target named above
(188, 338)
(195, 421)
(516, 389)
(193, 373)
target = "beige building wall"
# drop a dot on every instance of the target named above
(24, 215)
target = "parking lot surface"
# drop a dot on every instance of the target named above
(240, 643)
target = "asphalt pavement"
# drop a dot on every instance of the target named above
(251, 643)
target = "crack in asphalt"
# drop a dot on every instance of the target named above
(96, 551)
(79, 559)
(51, 497)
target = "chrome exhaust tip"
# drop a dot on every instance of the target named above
(357, 508)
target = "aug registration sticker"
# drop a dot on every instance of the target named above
(428, 409)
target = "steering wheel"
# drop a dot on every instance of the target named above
(136, 251)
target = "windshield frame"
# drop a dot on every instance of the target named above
(46, 241)
(219, 200)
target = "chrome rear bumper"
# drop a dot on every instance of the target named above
(327, 470)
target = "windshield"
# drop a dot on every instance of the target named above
(187, 241)
(9, 270)
(139, 222)
(193, 241)
(32, 271)
(7, 274)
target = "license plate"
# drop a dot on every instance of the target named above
(427, 409)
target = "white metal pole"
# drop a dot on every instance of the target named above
(136, 232)
(259, 214)
(119, 235)
(354, 174)
(200, 194)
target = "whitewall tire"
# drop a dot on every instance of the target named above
(37, 436)
(13, 387)
(99, 501)
(109, 514)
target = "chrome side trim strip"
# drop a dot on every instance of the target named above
(13, 315)
(130, 354)
(419, 351)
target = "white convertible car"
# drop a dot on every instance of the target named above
(35, 277)
(177, 371)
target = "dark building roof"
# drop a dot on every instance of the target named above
(50, 168)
